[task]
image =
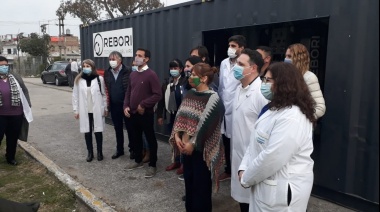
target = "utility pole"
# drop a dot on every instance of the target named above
(19, 36)
(61, 13)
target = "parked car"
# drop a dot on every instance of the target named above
(55, 73)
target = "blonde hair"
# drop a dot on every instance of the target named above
(300, 57)
(93, 68)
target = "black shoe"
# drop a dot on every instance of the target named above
(12, 162)
(184, 198)
(117, 154)
(90, 156)
(32, 205)
(100, 156)
(132, 155)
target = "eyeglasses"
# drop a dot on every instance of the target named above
(265, 79)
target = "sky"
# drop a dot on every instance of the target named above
(28, 15)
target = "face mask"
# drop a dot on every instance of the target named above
(139, 61)
(266, 90)
(287, 60)
(113, 63)
(87, 70)
(194, 81)
(174, 73)
(134, 68)
(238, 72)
(231, 53)
(187, 72)
(4, 69)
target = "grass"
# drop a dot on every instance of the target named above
(29, 181)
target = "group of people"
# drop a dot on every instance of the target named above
(253, 116)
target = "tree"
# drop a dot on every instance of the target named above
(91, 10)
(36, 45)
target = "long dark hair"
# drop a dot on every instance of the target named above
(289, 88)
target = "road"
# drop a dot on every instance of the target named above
(55, 133)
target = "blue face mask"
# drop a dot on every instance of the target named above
(287, 60)
(87, 70)
(174, 73)
(4, 69)
(238, 72)
(134, 68)
(266, 90)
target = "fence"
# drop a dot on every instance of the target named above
(28, 65)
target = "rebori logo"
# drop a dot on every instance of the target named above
(119, 40)
(98, 44)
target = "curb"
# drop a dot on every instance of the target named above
(80, 191)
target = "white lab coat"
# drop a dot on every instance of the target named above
(227, 87)
(247, 106)
(99, 100)
(277, 157)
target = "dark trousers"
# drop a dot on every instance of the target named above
(118, 117)
(10, 126)
(198, 183)
(71, 79)
(227, 153)
(144, 124)
(244, 207)
(98, 136)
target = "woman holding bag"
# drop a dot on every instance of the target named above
(90, 106)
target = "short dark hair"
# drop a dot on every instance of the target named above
(239, 39)
(3, 59)
(146, 52)
(254, 57)
(194, 60)
(176, 63)
(202, 52)
(266, 49)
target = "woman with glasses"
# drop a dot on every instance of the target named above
(277, 166)
(196, 134)
(15, 112)
(298, 55)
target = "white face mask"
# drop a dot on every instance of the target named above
(231, 53)
(113, 63)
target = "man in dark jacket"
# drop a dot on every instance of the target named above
(116, 78)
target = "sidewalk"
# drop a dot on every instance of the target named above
(55, 141)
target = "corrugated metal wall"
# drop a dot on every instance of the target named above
(347, 159)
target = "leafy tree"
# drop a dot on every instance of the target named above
(91, 10)
(36, 45)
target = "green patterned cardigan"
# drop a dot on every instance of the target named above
(200, 116)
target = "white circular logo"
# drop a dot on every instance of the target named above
(98, 44)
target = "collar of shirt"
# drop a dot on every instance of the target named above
(143, 68)
(117, 71)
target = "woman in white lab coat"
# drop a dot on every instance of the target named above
(277, 166)
(90, 106)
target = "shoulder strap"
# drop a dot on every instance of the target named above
(100, 87)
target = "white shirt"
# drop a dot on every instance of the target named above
(116, 72)
(74, 66)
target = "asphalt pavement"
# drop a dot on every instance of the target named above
(55, 141)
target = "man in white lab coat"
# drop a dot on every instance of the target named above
(247, 105)
(227, 87)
